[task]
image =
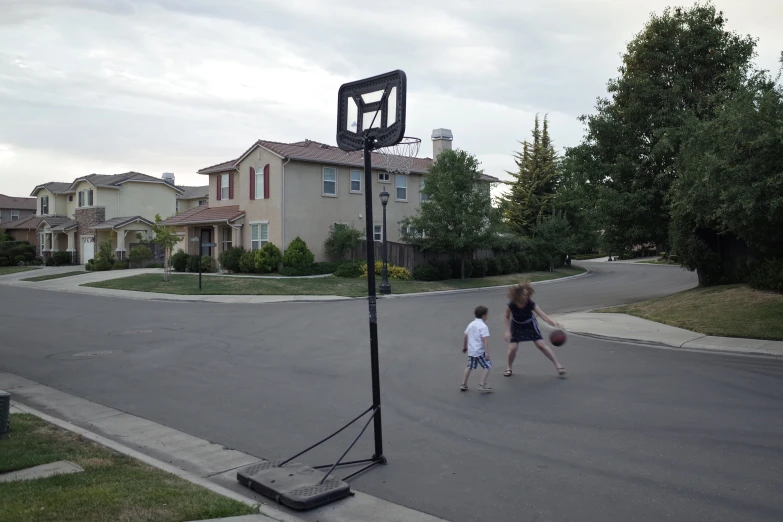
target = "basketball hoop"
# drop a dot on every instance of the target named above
(398, 158)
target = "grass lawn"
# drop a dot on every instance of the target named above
(226, 285)
(585, 257)
(112, 486)
(725, 311)
(5, 270)
(54, 276)
(659, 261)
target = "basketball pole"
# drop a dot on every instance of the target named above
(369, 143)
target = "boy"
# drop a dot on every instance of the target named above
(476, 344)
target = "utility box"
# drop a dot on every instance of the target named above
(5, 412)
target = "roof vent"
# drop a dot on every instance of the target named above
(168, 177)
(324, 146)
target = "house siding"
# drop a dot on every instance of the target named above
(6, 214)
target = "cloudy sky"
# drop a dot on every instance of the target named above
(158, 86)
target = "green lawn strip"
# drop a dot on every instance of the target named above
(585, 257)
(212, 285)
(5, 270)
(724, 311)
(112, 486)
(54, 276)
(660, 261)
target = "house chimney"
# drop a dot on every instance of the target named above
(441, 140)
(168, 177)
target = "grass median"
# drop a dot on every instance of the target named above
(111, 487)
(182, 284)
(6, 270)
(54, 276)
(724, 311)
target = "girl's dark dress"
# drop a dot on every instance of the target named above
(524, 326)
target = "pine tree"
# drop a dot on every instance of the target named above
(535, 181)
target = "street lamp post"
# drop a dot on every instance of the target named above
(385, 286)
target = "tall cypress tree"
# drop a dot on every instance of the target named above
(535, 181)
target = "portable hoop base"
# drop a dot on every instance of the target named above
(294, 485)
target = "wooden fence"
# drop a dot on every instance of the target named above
(408, 256)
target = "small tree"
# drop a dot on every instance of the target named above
(139, 254)
(297, 254)
(267, 258)
(342, 239)
(167, 239)
(553, 236)
(459, 216)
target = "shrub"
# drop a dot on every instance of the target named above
(105, 253)
(247, 262)
(342, 239)
(229, 259)
(4, 261)
(121, 265)
(179, 261)
(767, 275)
(393, 271)
(61, 258)
(90, 265)
(155, 265)
(508, 264)
(207, 264)
(327, 267)
(298, 255)
(18, 260)
(267, 259)
(350, 270)
(49, 261)
(493, 266)
(479, 268)
(139, 254)
(102, 266)
(426, 272)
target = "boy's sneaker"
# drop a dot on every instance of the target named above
(464, 387)
(485, 387)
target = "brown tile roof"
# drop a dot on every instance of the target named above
(193, 192)
(13, 203)
(25, 223)
(315, 152)
(205, 214)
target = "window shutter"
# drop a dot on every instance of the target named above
(219, 179)
(231, 186)
(266, 181)
(252, 183)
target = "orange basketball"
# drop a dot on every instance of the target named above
(558, 337)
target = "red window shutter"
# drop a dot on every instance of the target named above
(252, 183)
(266, 181)
(231, 186)
(219, 179)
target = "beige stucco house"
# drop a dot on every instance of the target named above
(275, 192)
(192, 197)
(77, 216)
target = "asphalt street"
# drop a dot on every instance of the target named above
(633, 433)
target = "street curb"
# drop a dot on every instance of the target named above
(190, 477)
(712, 350)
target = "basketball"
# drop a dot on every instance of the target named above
(558, 337)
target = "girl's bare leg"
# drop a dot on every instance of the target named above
(512, 354)
(547, 351)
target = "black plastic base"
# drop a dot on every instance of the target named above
(294, 485)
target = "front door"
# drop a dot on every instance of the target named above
(88, 249)
(206, 237)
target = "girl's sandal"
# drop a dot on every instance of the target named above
(507, 373)
(560, 370)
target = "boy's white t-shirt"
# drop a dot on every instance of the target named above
(476, 330)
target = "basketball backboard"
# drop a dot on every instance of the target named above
(373, 107)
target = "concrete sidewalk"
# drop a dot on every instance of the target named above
(623, 327)
(207, 464)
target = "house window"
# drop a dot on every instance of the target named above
(177, 209)
(227, 239)
(14, 215)
(45, 205)
(81, 198)
(43, 242)
(402, 187)
(260, 183)
(330, 181)
(89, 198)
(424, 195)
(224, 186)
(383, 177)
(378, 233)
(259, 235)
(356, 181)
(202, 202)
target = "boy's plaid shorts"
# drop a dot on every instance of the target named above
(475, 362)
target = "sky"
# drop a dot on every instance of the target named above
(153, 86)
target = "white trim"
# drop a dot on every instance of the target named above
(350, 181)
(262, 222)
(259, 171)
(397, 187)
(387, 174)
(336, 182)
(380, 233)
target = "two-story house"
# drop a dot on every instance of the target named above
(17, 218)
(76, 216)
(192, 197)
(275, 192)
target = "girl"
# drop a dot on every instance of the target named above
(521, 325)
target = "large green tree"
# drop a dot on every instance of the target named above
(727, 203)
(533, 187)
(459, 216)
(683, 65)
